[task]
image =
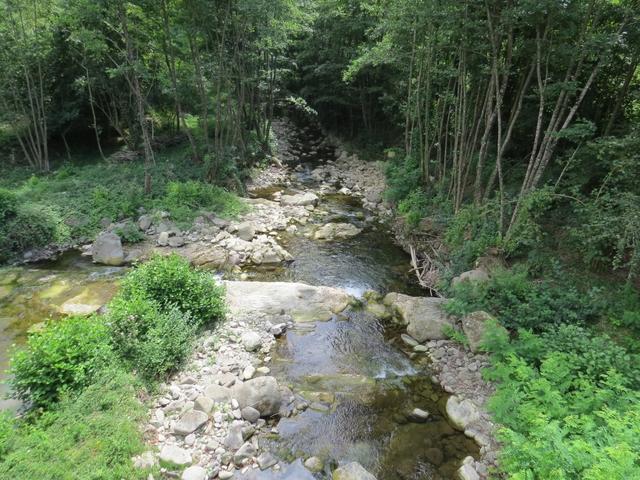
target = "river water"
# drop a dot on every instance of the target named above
(357, 376)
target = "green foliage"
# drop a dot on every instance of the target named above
(455, 335)
(565, 409)
(403, 177)
(130, 233)
(186, 200)
(153, 340)
(8, 205)
(470, 233)
(519, 302)
(91, 437)
(414, 207)
(171, 281)
(65, 356)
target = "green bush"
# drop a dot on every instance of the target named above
(564, 413)
(171, 281)
(403, 177)
(130, 233)
(519, 302)
(65, 356)
(31, 225)
(90, 437)
(414, 207)
(186, 200)
(8, 205)
(151, 339)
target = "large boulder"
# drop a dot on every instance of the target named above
(174, 455)
(190, 422)
(303, 302)
(352, 471)
(424, 316)
(461, 413)
(475, 326)
(300, 199)
(107, 249)
(246, 231)
(331, 231)
(261, 393)
(207, 256)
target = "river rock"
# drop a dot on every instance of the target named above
(261, 393)
(352, 471)
(299, 200)
(144, 222)
(424, 316)
(217, 393)
(251, 341)
(203, 404)
(246, 231)
(303, 302)
(467, 471)
(163, 239)
(250, 414)
(461, 413)
(475, 275)
(176, 242)
(107, 249)
(207, 256)
(418, 415)
(245, 452)
(195, 472)
(234, 439)
(175, 455)
(266, 460)
(474, 327)
(190, 422)
(332, 231)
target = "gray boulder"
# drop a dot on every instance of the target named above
(190, 422)
(251, 341)
(461, 413)
(195, 472)
(163, 239)
(144, 222)
(246, 231)
(352, 471)
(107, 249)
(261, 393)
(424, 317)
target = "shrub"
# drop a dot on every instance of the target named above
(65, 356)
(153, 340)
(414, 207)
(90, 437)
(403, 177)
(185, 200)
(519, 302)
(8, 205)
(130, 233)
(31, 225)
(171, 281)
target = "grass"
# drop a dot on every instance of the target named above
(90, 437)
(82, 194)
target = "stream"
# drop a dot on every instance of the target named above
(357, 375)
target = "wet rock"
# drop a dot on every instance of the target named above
(107, 249)
(467, 471)
(299, 200)
(194, 473)
(424, 316)
(261, 393)
(352, 471)
(333, 231)
(418, 415)
(409, 340)
(190, 422)
(175, 455)
(302, 302)
(474, 327)
(461, 413)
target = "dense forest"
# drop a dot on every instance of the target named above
(507, 129)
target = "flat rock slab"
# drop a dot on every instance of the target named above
(352, 471)
(305, 303)
(190, 422)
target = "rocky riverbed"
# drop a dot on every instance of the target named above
(331, 361)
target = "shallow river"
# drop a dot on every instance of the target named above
(359, 381)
